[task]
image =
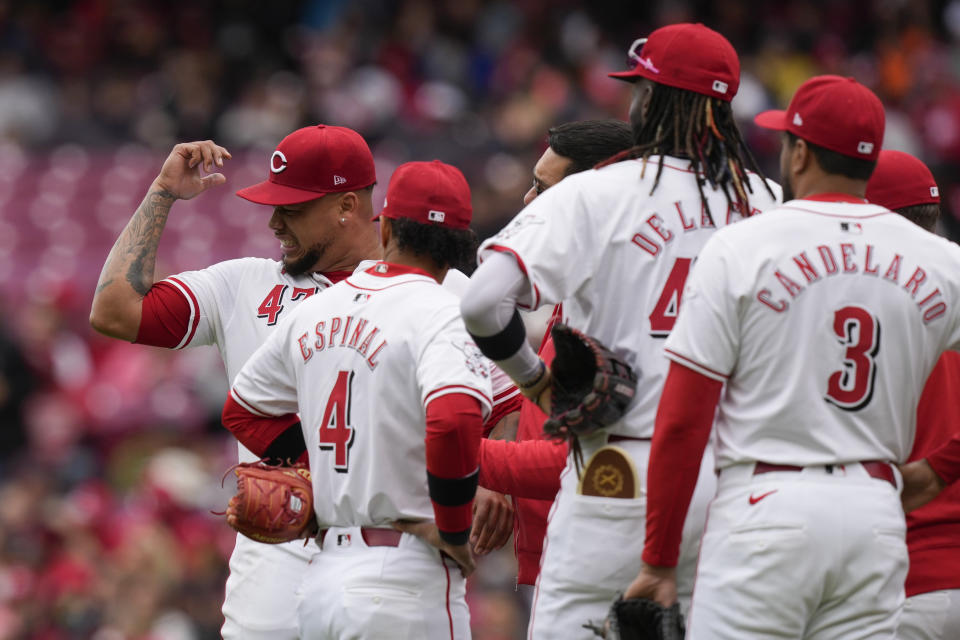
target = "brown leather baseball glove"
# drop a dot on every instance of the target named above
(273, 503)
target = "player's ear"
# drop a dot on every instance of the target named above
(800, 156)
(349, 203)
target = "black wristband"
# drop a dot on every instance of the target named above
(288, 446)
(501, 346)
(452, 492)
(455, 537)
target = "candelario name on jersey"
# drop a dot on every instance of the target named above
(811, 266)
(347, 332)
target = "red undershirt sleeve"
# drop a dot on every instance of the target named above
(165, 318)
(945, 461)
(527, 469)
(454, 428)
(264, 436)
(680, 435)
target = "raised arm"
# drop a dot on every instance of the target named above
(128, 272)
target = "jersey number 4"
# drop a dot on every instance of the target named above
(858, 330)
(664, 313)
(336, 434)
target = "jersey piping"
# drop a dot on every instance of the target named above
(194, 311)
(459, 388)
(848, 215)
(248, 406)
(696, 366)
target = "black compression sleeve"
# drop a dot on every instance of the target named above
(501, 346)
(288, 446)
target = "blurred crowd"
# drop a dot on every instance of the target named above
(112, 454)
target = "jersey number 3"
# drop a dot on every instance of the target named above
(858, 330)
(336, 434)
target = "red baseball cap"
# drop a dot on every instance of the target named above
(687, 56)
(835, 113)
(312, 162)
(429, 193)
(900, 180)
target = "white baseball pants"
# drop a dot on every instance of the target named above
(354, 591)
(260, 600)
(818, 554)
(593, 546)
(931, 616)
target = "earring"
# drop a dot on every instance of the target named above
(342, 220)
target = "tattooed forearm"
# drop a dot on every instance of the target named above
(104, 284)
(140, 239)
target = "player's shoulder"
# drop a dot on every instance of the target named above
(938, 242)
(456, 282)
(235, 275)
(248, 266)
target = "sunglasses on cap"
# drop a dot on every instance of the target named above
(633, 53)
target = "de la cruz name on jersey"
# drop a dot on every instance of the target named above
(655, 232)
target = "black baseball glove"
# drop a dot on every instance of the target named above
(590, 386)
(640, 619)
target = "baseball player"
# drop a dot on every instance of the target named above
(320, 184)
(615, 246)
(904, 184)
(529, 469)
(814, 327)
(391, 394)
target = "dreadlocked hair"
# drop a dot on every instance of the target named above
(702, 129)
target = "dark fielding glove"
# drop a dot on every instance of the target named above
(640, 619)
(590, 388)
(273, 503)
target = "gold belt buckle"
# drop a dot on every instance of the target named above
(609, 473)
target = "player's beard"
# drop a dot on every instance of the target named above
(307, 262)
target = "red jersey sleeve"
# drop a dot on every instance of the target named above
(169, 315)
(264, 436)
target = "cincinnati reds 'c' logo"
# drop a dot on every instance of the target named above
(607, 480)
(475, 362)
(273, 161)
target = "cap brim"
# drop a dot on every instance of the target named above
(775, 119)
(274, 194)
(627, 76)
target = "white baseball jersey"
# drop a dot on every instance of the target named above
(236, 304)
(360, 364)
(617, 258)
(824, 319)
